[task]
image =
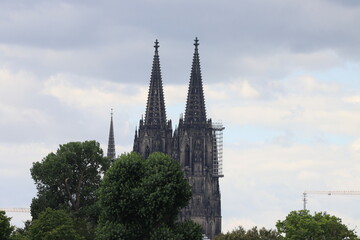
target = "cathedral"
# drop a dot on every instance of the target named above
(196, 144)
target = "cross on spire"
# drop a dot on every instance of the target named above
(196, 44)
(156, 46)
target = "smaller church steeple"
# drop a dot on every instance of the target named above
(155, 116)
(111, 143)
(195, 111)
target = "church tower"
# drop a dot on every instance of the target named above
(155, 132)
(195, 148)
(195, 144)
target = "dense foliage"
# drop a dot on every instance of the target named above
(136, 199)
(253, 234)
(300, 225)
(141, 199)
(21, 233)
(68, 180)
(5, 226)
(54, 225)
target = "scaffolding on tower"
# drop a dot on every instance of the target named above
(218, 128)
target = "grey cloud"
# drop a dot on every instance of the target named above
(113, 40)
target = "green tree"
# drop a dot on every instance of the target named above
(21, 233)
(68, 180)
(19, 236)
(252, 234)
(5, 226)
(141, 199)
(300, 225)
(53, 225)
(188, 230)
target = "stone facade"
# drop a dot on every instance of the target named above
(191, 144)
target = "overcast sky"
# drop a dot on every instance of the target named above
(283, 76)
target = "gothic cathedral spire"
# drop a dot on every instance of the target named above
(195, 112)
(111, 143)
(155, 115)
(193, 145)
(155, 132)
(195, 149)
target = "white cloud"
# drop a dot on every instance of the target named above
(312, 85)
(86, 93)
(17, 86)
(21, 156)
(19, 93)
(243, 89)
(352, 99)
(13, 115)
(302, 104)
(264, 178)
(272, 178)
(231, 224)
(175, 93)
(236, 89)
(216, 92)
(282, 62)
(16, 160)
(269, 172)
(355, 146)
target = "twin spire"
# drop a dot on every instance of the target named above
(155, 115)
(195, 112)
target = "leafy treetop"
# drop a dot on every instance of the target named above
(5, 226)
(141, 199)
(299, 225)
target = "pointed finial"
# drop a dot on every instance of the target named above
(112, 112)
(196, 44)
(156, 46)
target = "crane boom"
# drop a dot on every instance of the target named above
(329, 193)
(23, 210)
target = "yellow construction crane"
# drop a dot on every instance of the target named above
(329, 193)
(22, 210)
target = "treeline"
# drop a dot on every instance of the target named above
(298, 225)
(82, 195)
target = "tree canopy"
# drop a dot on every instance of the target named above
(141, 199)
(252, 234)
(5, 226)
(21, 233)
(300, 225)
(54, 225)
(68, 180)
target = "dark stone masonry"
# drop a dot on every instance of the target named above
(192, 144)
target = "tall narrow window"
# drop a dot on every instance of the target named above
(187, 155)
(147, 152)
